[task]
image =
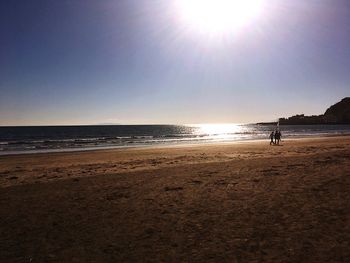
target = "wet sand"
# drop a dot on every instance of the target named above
(239, 202)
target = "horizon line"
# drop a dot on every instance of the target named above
(133, 124)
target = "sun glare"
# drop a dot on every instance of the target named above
(218, 16)
(222, 130)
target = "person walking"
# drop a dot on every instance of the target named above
(272, 136)
(277, 137)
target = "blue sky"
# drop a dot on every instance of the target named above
(131, 61)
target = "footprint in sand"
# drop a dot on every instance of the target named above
(220, 182)
(178, 188)
(196, 182)
(292, 166)
(117, 195)
(4, 173)
(270, 172)
(208, 173)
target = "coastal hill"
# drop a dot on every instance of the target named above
(340, 110)
(338, 113)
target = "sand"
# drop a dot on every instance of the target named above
(238, 202)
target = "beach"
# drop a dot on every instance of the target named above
(227, 202)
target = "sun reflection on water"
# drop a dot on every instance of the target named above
(222, 131)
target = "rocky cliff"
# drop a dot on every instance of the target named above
(338, 113)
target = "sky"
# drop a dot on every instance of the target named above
(73, 62)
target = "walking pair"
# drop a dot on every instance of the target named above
(275, 137)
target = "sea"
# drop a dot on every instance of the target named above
(41, 139)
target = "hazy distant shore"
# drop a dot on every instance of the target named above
(235, 202)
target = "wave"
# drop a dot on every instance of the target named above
(71, 138)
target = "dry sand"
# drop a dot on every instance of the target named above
(240, 202)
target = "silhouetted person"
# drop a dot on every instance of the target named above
(272, 136)
(277, 137)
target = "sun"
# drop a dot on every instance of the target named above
(218, 16)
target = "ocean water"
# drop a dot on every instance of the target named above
(71, 138)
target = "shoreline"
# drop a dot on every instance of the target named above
(45, 167)
(159, 145)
